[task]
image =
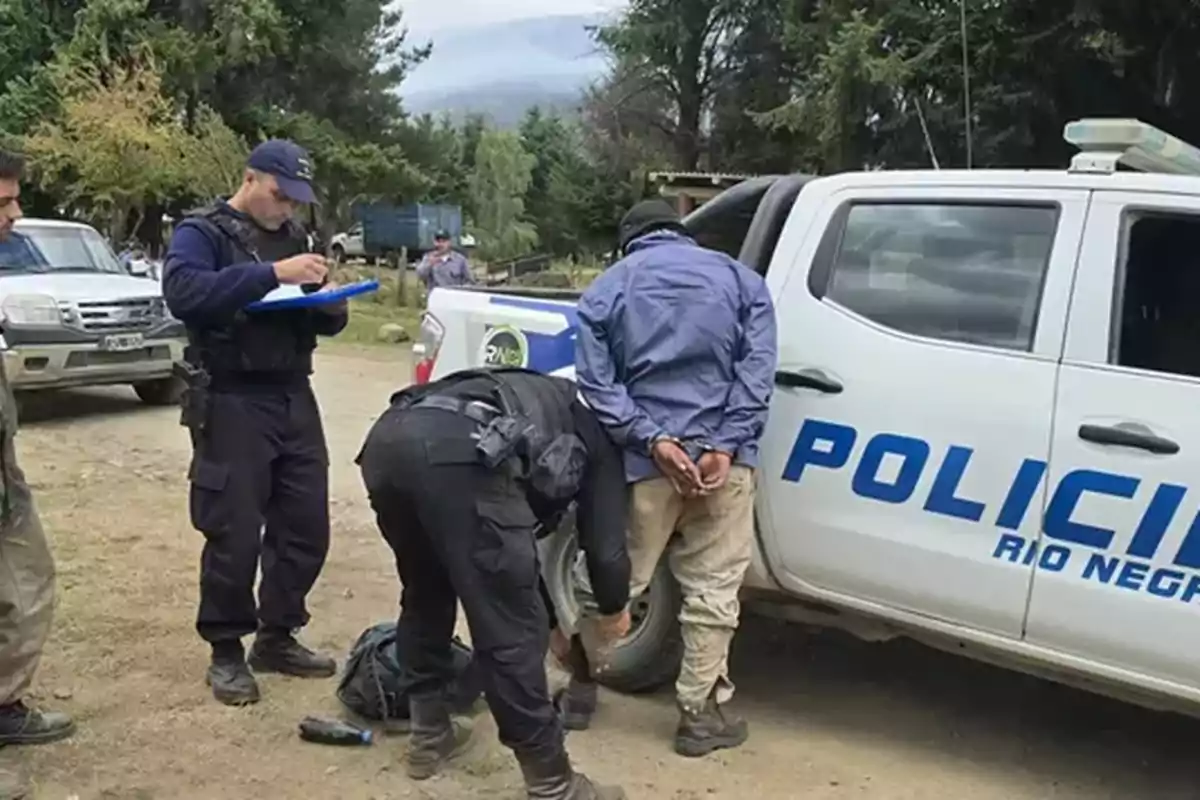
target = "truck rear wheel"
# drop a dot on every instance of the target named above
(162, 392)
(649, 656)
(339, 254)
(21, 398)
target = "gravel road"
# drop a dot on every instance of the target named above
(830, 717)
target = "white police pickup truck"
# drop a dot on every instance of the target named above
(986, 428)
(71, 315)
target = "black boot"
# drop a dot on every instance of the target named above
(435, 738)
(577, 703)
(278, 651)
(707, 730)
(552, 778)
(230, 678)
(20, 724)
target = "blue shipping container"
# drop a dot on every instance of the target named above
(389, 227)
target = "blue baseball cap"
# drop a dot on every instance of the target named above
(289, 163)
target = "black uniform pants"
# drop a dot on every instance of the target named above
(463, 533)
(259, 488)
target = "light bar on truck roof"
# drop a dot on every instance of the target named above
(1104, 143)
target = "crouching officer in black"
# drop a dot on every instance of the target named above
(260, 469)
(464, 474)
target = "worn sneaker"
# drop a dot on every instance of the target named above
(280, 652)
(231, 682)
(20, 724)
(707, 730)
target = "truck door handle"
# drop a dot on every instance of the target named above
(808, 379)
(1129, 435)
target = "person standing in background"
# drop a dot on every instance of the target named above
(444, 266)
(676, 353)
(27, 586)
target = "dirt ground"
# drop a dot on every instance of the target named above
(831, 717)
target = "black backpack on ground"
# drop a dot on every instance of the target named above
(374, 688)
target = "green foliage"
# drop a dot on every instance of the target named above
(826, 85)
(853, 72)
(558, 188)
(678, 49)
(350, 170)
(502, 175)
(213, 155)
(438, 148)
(119, 145)
(223, 68)
(27, 38)
(132, 105)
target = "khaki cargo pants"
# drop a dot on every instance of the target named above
(26, 575)
(708, 558)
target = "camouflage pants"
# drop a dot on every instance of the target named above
(26, 580)
(708, 558)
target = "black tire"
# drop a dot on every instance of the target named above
(162, 392)
(339, 254)
(649, 657)
(22, 400)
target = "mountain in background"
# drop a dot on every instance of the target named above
(505, 68)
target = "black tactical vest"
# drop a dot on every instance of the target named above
(261, 347)
(555, 457)
(546, 399)
(542, 439)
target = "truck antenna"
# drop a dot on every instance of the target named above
(966, 77)
(925, 132)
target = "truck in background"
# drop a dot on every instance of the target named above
(82, 319)
(984, 421)
(383, 229)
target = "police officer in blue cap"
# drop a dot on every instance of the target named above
(259, 471)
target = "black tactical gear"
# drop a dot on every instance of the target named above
(374, 684)
(260, 467)
(530, 426)
(276, 345)
(464, 531)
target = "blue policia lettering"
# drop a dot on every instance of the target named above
(822, 444)
(914, 455)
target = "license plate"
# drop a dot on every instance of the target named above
(122, 342)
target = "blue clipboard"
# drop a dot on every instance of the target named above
(294, 297)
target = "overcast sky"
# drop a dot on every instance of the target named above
(426, 16)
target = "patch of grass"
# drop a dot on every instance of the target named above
(369, 312)
(367, 315)
(580, 272)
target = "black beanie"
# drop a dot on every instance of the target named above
(647, 216)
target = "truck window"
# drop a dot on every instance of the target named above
(1157, 315)
(958, 272)
(72, 248)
